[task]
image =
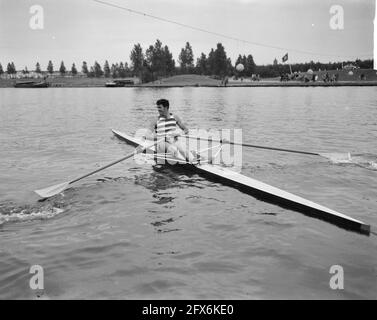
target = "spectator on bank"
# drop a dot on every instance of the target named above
(326, 78)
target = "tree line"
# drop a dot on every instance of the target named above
(157, 61)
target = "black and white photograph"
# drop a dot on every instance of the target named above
(188, 150)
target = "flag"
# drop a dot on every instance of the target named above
(285, 58)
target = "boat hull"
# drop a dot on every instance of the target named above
(266, 192)
(42, 84)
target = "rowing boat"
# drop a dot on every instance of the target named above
(262, 190)
(32, 84)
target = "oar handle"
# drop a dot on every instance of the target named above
(252, 145)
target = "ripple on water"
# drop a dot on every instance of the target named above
(217, 267)
(11, 212)
(134, 231)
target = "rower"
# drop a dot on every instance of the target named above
(166, 126)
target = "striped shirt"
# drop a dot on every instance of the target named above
(165, 125)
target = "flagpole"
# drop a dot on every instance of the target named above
(285, 58)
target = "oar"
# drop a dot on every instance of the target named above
(338, 156)
(53, 190)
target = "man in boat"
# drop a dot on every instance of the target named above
(166, 127)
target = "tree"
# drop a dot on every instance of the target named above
(229, 67)
(211, 62)
(137, 60)
(220, 62)
(84, 68)
(189, 56)
(201, 64)
(11, 69)
(249, 66)
(146, 75)
(50, 67)
(169, 61)
(239, 60)
(73, 69)
(154, 58)
(150, 58)
(186, 58)
(121, 70)
(158, 61)
(217, 61)
(114, 70)
(91, 73)
(97, 70)
(366, 64)
(38, 68)
(126, 69)
(1, 69)
(182, 60)
(106, 69)
(62, 69)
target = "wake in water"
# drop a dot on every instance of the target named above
(366, 160)
(10, 212)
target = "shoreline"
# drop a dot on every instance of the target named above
(261, 84)
(193, 81)
(269, 84)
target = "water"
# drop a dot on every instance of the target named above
(134, 232)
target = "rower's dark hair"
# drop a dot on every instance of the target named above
(164, 102)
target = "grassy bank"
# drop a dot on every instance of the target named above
(192, 80)
(206, 81)
(63, 82)
(184, 80)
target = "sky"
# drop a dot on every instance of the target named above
(86, 30)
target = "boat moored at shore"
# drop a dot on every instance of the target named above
(31, 84)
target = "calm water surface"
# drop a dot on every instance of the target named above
(134, 232)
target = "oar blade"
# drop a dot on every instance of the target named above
(52, 191)
(337, 157)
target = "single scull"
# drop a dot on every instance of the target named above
(262, 190)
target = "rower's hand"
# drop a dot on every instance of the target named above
(174, 134)
(139, 149)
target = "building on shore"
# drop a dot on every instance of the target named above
(350, 67)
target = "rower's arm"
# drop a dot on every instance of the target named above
(151, 132)
(181, 124)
